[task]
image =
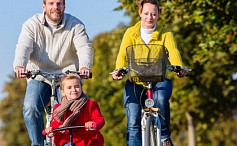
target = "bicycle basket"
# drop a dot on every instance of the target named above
(146, 63)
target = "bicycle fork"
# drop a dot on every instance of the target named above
(154, 126)
(49, 113)
(48, 140)
(154, 138)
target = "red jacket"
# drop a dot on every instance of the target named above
(81, 137)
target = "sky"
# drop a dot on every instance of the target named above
(98, 16)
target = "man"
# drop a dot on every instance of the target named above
(52, 42)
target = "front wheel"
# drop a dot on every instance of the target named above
(150, 136)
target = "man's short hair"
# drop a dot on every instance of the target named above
(44, 1)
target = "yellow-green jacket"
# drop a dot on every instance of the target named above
(161, 36)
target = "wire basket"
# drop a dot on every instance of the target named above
(147, 63)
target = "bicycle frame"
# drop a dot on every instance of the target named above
(53, 98)
(147, 63)
(149, 116)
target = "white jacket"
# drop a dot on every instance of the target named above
(67, 48)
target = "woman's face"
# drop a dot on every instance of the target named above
(71, 89)
(149, 15)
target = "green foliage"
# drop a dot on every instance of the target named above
(131, 9)
(106, 91)
(206, 33)
(13, 128)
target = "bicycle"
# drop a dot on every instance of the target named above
(70, 128)
(54, 79)
(149, 69)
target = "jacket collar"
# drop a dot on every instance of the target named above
(45, 23)
(155, 35)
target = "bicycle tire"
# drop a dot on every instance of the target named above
(150, 136)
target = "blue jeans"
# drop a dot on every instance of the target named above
(134, 97)
(37, 92)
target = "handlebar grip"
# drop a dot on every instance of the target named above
(90, 76)
(177, 69)
(122, 72)
(93, 127)
(48, 135)
(28, 74)
(188, 75)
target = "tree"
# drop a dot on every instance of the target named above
(206, 35)
(107, 92)
(13, 128)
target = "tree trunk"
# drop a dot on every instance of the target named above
(191, 130)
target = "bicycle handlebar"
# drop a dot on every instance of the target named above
(33, 74)
(177, 69)
(123, 71)
(68, 128)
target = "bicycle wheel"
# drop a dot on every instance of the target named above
(150, 136)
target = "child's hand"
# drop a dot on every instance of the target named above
(48, 131)
(90, 125)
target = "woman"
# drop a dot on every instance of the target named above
(147, 31)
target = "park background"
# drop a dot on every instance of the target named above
(203, 107)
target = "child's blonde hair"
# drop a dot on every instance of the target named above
(69, 77)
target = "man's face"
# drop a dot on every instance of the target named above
(54, 10)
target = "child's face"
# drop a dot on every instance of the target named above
(71, 89)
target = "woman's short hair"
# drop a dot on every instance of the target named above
(142, 2)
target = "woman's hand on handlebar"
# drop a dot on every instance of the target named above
(119, 73)
(182, 73)
(116, 75)
(21, 72)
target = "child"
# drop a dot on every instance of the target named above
(76, 109)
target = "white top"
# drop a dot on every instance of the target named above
(146, 34)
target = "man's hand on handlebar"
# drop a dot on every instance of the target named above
(21, 72)
(84, 72)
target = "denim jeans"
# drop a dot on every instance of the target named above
(37, 92)
(134, 97)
